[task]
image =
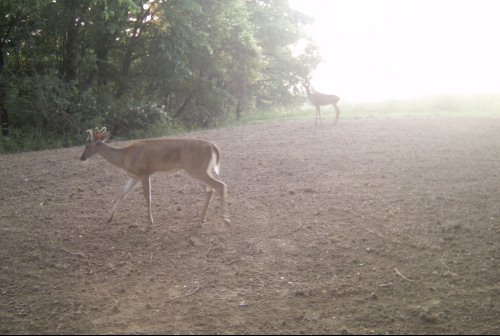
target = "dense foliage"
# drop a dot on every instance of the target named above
(143, 67)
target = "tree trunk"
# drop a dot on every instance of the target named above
(70, 43)
(238, 110)
(4, 114)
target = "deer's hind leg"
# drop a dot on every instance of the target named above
(211, 184)
(146, 187)
(209, 194)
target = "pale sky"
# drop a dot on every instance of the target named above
(377, 50)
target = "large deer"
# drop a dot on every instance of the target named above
(320, 99)
(143, 158)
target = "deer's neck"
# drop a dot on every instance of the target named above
(112, 155)
(308, 92)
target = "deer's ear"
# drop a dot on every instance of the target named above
(90, 135)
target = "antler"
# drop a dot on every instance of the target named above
(96, 134)
(100, 134)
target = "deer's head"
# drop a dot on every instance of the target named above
(94, 137)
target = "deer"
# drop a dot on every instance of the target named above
(198, 158)
(320, 99)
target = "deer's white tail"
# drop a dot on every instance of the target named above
(215, 151)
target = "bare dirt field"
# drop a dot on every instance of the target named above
(377, 225)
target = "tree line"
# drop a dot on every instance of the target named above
(142, 67)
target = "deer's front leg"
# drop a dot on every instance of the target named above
(318, 115)
(337, 113)
(128, 187)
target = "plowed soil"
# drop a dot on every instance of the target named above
(376, 225)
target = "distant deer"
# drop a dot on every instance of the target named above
(320, 99)
(143, 158)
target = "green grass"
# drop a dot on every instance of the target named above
(446, 106)
(470, 106)
(270, 115)
(31, 140)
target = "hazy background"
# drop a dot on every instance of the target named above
(377, 50)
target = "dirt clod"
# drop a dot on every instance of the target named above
(321, 219)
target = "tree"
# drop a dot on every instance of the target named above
(18, 27)
(141, 65)
(279, 29)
